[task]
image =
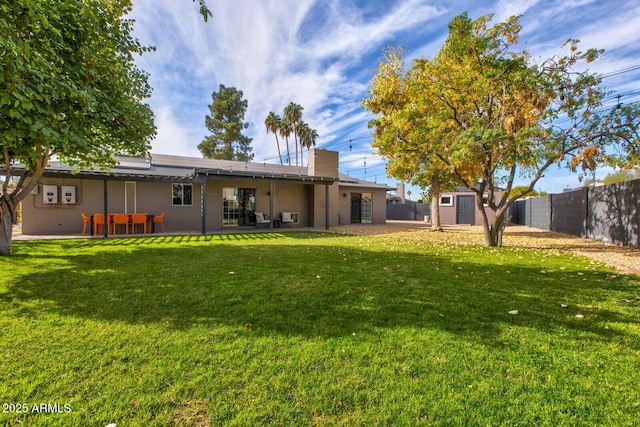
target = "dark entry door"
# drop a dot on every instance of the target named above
(356, 208)
(465, 209)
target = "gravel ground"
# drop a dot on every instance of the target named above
(624, 260)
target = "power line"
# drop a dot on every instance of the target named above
(605, 75)
(621, 71)
(350, 141)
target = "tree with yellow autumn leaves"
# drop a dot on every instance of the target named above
(483, 113)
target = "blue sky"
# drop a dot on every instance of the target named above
(321, 54)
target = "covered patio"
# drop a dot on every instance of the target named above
(193, 196)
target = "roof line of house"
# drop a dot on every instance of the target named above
(224, 174)
(167, 168)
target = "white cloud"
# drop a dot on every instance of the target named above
(267, 50)
(173, 137)
(319, 54)
(347, 33)
(619, 32)
(507, 8)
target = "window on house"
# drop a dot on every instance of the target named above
(182, 194)
(446, 200)
(485, 200)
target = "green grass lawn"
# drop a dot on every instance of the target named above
(313, 329)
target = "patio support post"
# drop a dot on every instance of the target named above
(326, 206)
(105, 225)
(203, 206)
(271, 203)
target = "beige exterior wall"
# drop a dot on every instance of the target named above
(40, 218)
(344, 204)
(323, 163)
(308, 200)
(291, 198)
(319, 203)
(287, 198)
(150, 197)
(379, 203)
(379, 206)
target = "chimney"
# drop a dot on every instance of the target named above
(323, 163)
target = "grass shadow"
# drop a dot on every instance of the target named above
(314, 285)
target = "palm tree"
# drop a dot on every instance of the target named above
(301, 129)
(312, 136)
(285, 131)
(308, 138)
(272, 123)
(293, 113)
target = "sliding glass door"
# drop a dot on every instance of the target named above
(361, 208)
(238, 206)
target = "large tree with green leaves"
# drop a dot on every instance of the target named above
(226, 124)
(396, 138)
(519, 189)
(619, 176)
(490, 114)
(69, 88)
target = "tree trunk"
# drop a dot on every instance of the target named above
(492, 236)
(278, 144)
(493, 231)
(288, 153)
(435, 205)
(6, 226)
(9, 200)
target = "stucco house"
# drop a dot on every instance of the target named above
(459, 207)
(204, 195)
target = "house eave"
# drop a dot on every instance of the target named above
(371, 186)
(111, 175)
(226, 174)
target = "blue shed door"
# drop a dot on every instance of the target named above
(465, 209)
